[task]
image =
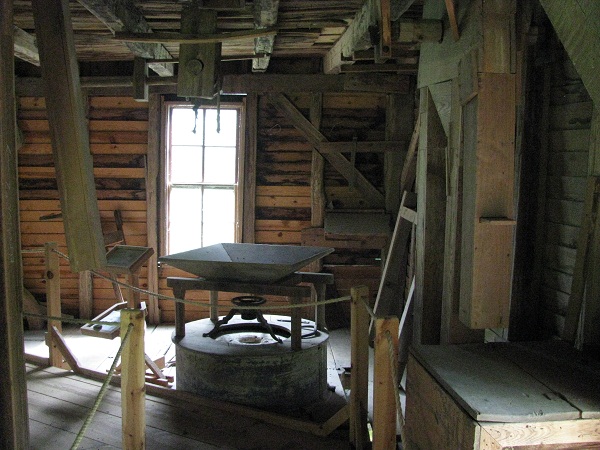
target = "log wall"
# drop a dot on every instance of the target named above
(118, 128)
(570, 115)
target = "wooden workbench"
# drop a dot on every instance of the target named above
(289, 287)
(502, 396)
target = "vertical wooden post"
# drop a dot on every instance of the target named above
(214, 306)
(296, 326)
(179, 312)
(249, 211)
(384, 380)
(317, 189)
(359, 378)
(133, 388)
(152, 171)
(133, 297)
(52, 278)
(14, 423)
(320, 294)
(431, 207)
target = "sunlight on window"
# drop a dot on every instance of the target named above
(202, 168)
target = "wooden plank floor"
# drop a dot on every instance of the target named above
(59, 401)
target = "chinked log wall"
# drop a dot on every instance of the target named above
(570, 113)
(119, 142)
(118, 139)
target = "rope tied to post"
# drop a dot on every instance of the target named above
(103, 389)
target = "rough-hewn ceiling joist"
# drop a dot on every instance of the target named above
(265, 15)
(123, 15)
(363, 30)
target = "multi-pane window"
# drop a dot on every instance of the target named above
(202, 177)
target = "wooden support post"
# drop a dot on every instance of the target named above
(14, 423)
(249, 212)
(214, 306)
(320, 294)
(488, 183)
(296, 328)
(317, 188)
(453, 331)
(152, 174)
(383, 49)
(359, 378)
(133, 392)
(132, 296)
(431, 207)
(140, 75)
(52, 278)
(179, 313)
(385, 376)
(317, 193)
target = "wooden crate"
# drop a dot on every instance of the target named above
(502, 396)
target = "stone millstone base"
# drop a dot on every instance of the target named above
(246, 366)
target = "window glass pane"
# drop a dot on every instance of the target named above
(228, 134)
(219, 165)
(219, 216)
(186, 164)
(185, 219)
(182, 126)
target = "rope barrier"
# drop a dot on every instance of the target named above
(102, 392)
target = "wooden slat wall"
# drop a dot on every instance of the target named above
(118, 141)
(283, 178)
(570, 116)
(118, 138)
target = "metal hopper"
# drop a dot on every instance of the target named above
(262, 263)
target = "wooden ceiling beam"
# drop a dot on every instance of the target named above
(246, 83)
(265, 15)
(25, 46)
(123, 15)
(374, 15)
(187, 38)
(356, 37)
